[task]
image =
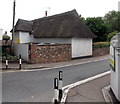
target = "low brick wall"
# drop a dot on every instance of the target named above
(49, 53)
(100, 51)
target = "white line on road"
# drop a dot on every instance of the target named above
(74, 64)
(68, 87)
(22, 70)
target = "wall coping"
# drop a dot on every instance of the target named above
(48, 44)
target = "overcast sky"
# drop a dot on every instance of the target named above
(33, 9)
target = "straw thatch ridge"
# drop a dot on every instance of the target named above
(64, 25)
(23, 25)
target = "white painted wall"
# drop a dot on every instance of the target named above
(81, 47)
(21, 49)
(53, 40)
(15, 37)
(26, 38)
(1, 33)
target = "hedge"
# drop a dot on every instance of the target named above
(101, 45)
(9, 57)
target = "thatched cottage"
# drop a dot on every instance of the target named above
(52, 39)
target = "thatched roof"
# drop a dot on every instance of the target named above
(64, 25)
(23, 25)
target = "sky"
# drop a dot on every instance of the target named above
(33, 9)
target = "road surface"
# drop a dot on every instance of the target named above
(37, 86)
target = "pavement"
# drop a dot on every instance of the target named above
(95, 89)
(41, 66)
(90, 91)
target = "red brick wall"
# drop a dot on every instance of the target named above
(49, 53)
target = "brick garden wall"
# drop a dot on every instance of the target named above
(49, 53)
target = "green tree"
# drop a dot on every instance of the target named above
(98, 27)
(110, 35)
(112, 20)
(6, 37)
(82, 18)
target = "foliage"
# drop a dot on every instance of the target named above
(98, 27)
(110, 35)
(112, 20)
(82, 18)
(104, 27)
(101, 45)
(6, 37)
(9, 57)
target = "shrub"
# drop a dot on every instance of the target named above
(6, 37)
(110, 35)
(101, 45)
(9, 57)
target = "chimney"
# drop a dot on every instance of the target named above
(45, 13)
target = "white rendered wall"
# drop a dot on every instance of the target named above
(15, 37)
(53, 40)
(26, 38)
(23, 37)
(81, 47)
(21, 49)
(1, 33)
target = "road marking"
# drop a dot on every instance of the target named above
(74, 64)
(22, 70)
(86, 80)
(10, 71)
(67, 88)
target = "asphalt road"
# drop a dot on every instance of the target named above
(37, 86)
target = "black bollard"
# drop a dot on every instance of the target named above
(6, 63)
(56, 90)
(60, 84)
(20, 62)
